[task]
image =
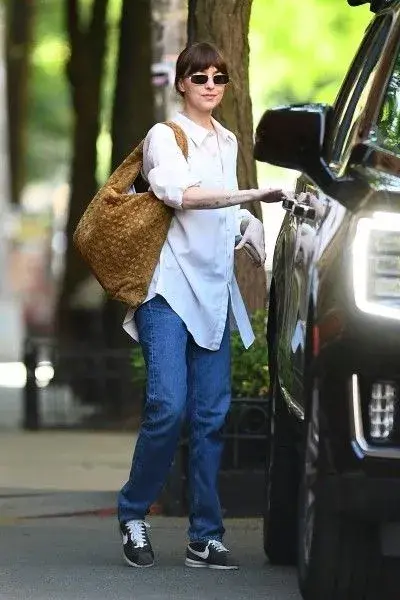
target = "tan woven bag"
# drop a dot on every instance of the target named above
(120, 235)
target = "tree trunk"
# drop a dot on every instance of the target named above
(19, 20)
(133, 114)
(84, 70)
(227, 25)
(133, 110)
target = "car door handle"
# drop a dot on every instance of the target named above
(288, 204)
(304, 211)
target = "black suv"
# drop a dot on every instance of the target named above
(333, 457)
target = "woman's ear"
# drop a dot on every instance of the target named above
(181, 87)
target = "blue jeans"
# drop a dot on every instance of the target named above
(183, 381)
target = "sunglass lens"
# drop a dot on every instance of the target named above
(221, 79)
(199, 79)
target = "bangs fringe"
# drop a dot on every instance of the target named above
(204, 56)
(198, 57)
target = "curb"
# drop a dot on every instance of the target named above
(155, 509)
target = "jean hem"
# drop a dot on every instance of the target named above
(123, 519)
(217, 538)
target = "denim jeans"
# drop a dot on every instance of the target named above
(183, 381)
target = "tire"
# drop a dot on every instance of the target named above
(282, 482)
(338, 556)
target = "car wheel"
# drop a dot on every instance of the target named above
(282, 481)
(338, 556)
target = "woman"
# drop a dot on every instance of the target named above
(183, 325)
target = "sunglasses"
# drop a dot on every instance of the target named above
(201, 79)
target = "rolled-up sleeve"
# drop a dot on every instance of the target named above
(165, 167)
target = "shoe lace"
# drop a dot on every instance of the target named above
(138, 533)
(219, 547)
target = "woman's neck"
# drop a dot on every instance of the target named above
(200, 118)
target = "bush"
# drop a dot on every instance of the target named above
(139, 368)
(250, 375)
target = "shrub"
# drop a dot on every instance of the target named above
(139, 368)
(250, 375)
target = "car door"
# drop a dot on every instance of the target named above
(285, 248)
(347, 114)
(309, 217)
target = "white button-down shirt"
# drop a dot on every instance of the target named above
(195, 270)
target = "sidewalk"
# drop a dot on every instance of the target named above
(62, 473)
(48, 473)
(61, 460)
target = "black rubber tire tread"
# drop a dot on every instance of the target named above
(280, 516)
(345, 561)
(390, 578)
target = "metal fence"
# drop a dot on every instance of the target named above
(80, 387)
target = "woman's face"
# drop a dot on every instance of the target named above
(202, 97)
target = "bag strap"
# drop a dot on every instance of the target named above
(180, 137)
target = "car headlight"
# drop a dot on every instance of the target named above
(376, 264)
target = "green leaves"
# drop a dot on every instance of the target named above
(300, 51)
(250, 375)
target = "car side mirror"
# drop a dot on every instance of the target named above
(292, 137)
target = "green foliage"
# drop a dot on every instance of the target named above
(50, 118)
(250, 375)
(300, 51)
(139, 367)
(50, 110)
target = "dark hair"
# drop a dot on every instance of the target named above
(198, 57)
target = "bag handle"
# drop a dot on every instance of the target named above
(180, 137)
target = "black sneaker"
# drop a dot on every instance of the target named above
(136, 544)
(211, 554)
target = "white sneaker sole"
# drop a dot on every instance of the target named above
(132, 564)
(194, 564)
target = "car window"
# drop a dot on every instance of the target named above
(353, 96)
(386, 132)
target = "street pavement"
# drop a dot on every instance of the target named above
(79, 558)
(59, 538)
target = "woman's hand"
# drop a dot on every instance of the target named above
(270, 195)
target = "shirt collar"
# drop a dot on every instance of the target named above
(198, 133)
(226, 135)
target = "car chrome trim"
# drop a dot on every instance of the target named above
(360, 444)
(293, 406)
